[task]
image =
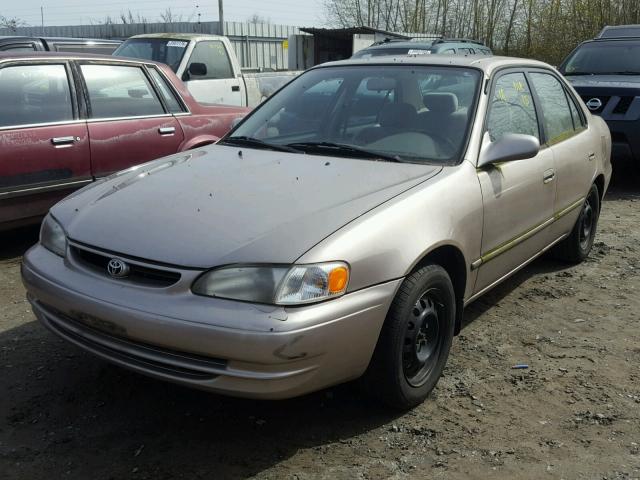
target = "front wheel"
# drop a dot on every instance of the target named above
(576, 247)
(415, 340)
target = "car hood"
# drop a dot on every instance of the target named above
(222, 205)
(605, 81)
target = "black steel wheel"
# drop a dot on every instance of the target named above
(576, 247)
(415, 340)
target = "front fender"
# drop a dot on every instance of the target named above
(387, 242)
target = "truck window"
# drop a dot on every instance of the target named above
(120, 91)
(215, 57)
(34, 94)
(163, 50)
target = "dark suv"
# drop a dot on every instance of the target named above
(605, 72)
(447, 46)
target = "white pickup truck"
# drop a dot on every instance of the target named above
(208, 66)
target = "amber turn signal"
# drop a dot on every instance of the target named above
(338, 279)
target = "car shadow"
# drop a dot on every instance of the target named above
(14, 243)
(67, 413)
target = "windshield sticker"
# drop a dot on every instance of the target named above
(176, 43)
(419, 52)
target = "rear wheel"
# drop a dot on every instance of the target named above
(415, 340)
(576, 247)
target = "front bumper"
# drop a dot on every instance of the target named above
(225, 346)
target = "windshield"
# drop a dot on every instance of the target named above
(403, 113)
(618, 56)
(161, 50)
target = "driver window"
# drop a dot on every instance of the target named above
(214, 56)
(512, 109)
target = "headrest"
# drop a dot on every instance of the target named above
(443, 102)
(397, 115)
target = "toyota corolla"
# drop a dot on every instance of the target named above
(338, 232)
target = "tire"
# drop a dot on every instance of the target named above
(576, 247)
(415, 340)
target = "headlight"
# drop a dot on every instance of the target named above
(280, 285)
(52, 236)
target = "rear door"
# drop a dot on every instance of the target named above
(128, 123)
(574, 146)
(218, 83)
(44, 145)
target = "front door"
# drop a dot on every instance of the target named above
(128, 124)
(216, 83)
(44, 146)
(518, 196)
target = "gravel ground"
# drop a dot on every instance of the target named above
(574, 413)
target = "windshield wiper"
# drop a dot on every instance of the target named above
(343, 149)
(251, 142)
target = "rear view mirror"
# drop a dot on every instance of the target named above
(378, 84)
(511, 147)
(197, 69)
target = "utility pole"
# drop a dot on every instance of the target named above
(42, 19)
(221, 16)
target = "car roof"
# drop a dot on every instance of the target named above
(9, 55)
(179, 36)
(486, 64)
(401, 44)
(58, 39)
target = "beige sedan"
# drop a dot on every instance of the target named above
(338, 232)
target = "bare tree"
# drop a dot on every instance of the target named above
(256, 18)
(11, 23)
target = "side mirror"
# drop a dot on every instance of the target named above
(512, 146)
(197, 69)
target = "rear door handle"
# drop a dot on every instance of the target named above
(549, 175)
(235, 88)
(167, 130)
(592, 157)
(63, 140)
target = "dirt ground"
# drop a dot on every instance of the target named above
(574, 413)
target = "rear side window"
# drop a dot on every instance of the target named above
(214, 56)
(578, 119)
(99, 48)
(557, 119)
(19, 47)
(34, 94)
(120, 91)
(512, 109)
(167, 94)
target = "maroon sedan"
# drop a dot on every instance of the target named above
(66, 120)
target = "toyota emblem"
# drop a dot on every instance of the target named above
(594, 104)
(117, 268)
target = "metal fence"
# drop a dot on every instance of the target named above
(257, 45)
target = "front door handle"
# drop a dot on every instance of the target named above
(235, 88)
(549, 175)
(592, 157)
(63, 140)
(167, 130)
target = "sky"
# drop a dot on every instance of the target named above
(78, 12)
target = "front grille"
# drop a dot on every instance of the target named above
(139, 274)
(143, 355)
(623, 105)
